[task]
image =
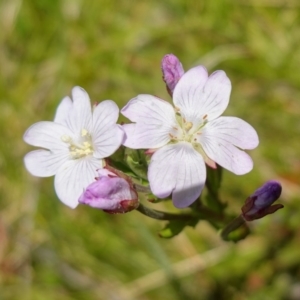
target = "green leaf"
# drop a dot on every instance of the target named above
(137, 162)
(174, 227)
(117, 161)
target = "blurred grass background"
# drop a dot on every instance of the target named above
(113, 49)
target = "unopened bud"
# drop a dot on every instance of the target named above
(259, 204)
(172, 71)
(111, 193)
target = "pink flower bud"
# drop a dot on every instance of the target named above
(111, 193)
(172, 71)
(259, 204)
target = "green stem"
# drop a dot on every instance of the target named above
(209, 214)
(142, 188)
(160, 215)
(205, 213)
(233, 225)
(219, 206)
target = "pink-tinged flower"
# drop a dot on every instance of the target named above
(259, 204)
(189, 134)
(74, 145)
(111, 193)
(172, 71)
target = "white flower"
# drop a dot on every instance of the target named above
(76, 143)
(189, 134)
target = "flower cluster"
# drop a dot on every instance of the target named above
(182, 139)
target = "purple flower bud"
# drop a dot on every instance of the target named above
(172, 71)
(259, 204)
(111, 193)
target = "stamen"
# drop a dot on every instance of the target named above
(79, 150)
(188, 126)
(84, 132)
(66, 139)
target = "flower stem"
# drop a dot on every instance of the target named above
(233, 225)
(142, 188)
(204, 214)
(160, 215)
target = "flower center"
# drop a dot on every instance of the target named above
(187, 131)
(81, 148)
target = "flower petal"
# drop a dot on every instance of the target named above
(43, 163)
(80, 117)
(155, 120)
(188, 91)
(232, 130)
(73, 178)
(219, 148)
(177, 169)
(47, 135)
(63, 110)
(107, 135)
(199, 97)
(137, 137)
(130, 140)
